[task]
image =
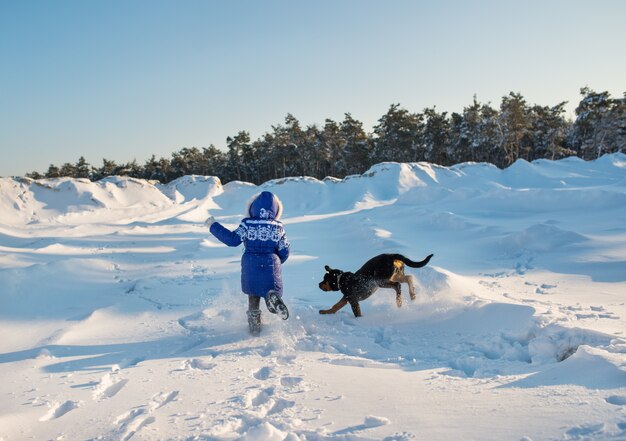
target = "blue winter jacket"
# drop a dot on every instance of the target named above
(266, 246)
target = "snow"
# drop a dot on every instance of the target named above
(121, 317)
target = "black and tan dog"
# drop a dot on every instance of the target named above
(382, 271)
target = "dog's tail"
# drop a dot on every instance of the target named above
(409, 262)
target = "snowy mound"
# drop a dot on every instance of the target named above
(523, 187)
(603, 370)
(541, 238)
(62, 199)
(193, 187)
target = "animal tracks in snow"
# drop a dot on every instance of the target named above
(542, 296)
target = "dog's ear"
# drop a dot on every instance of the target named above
(327, 268)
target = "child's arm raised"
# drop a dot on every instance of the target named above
(224, 235)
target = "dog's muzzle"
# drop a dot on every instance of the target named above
(324, 286)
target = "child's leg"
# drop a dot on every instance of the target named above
(254, 314)
(254, 303)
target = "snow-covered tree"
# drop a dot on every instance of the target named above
(548, 132)
(513, 123)
(600, 124)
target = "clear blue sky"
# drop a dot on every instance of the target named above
(127, 79)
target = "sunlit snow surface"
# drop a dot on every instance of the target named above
(121, 317)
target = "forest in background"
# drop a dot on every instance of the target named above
(480, 133)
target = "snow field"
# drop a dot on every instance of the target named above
(122, 317)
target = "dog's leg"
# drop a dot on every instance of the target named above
(394, 282)
(356, 308)
(398, 288)
(336, 307)
(408, 279)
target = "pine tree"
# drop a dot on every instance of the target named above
(467, 133)
(284, 148)
(294, 148)
(157, 170)
(308, 150)
(589, 128)
(82, 169)
(267, 162)
(34, 175)
(619, 124)
(109, 168)
(600, 125)
(67, 170)
(53, 172)
(513, 123)
(331, 146)
(399, 137)
(239, 156)
(213, 161)
(357, 148)
(437, 137)
(548, 131)
(131, 169)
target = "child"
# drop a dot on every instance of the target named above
(266, 249)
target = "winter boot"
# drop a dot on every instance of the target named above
(254, 321)
(275, 305)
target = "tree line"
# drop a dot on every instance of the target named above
(480, 133)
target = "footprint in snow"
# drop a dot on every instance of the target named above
(58, 410)
(285, 360)
(197, 364)
(263, 373)
(368, 423)
(264, 431)
(108, 387)
(129, 434)
(587, 431)
(262, 397)
(290, 381)
(617, 400)
(135, 419)
(279, 405)
(264, 403)
(403, 436)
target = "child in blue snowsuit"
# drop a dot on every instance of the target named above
(266, 249)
